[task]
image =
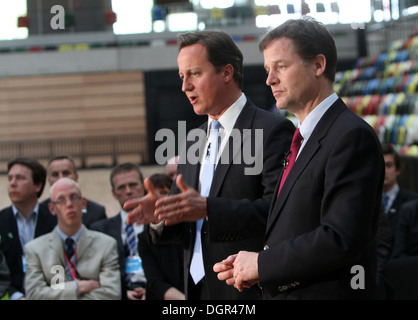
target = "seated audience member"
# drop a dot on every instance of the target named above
(4, 277)
(406, 238)
(64, 166)
(127, 182)
(71, 262)
(393, 196)
(163, 264)
(24, 220)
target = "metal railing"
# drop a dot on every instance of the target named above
(81, 148)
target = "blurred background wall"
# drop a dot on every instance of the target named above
(97, 79)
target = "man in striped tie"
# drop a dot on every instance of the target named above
(127, 182)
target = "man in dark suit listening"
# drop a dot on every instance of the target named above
(393, 196)
(232, 214)
(406, 239)
(24, 220)
(64, 166)
(320, 240)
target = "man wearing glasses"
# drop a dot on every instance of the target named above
(71, 262)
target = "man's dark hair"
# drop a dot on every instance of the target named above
(310, 38)
(387, 148)
(38, 170)
(62, 157)
(221, 50)
(125, 167)
(161, 180)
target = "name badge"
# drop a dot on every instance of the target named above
(133, 264)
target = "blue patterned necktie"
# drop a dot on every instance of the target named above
(69, 247)
(197, 269)
(130, 240)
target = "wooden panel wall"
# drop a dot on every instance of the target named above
(81, 105)
(72, 106)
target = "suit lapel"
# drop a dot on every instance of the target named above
(83, 242)
(13, 234)
(276, 191)
(244, 121)
(115, 230)
(44, 221)
(304, 158)
(308, 152)
(56, 245)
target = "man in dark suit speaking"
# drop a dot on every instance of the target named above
(320, 240)
(229, 212)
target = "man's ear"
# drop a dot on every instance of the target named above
(84, 203)
(114, 194)
(38, 186)
(228, 72)
(52, 208)
(320, 64)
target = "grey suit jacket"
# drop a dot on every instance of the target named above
(97, 259)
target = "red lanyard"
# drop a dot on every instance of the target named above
(72, 271)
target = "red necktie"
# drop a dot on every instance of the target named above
(291, 158)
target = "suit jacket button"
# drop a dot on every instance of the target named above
(266, 247)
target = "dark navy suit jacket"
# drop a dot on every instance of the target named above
(324, 221)
(238, 202)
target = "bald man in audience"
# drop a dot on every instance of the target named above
(63, 166)
(71, 262)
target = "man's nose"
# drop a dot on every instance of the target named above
(186, 86)
(272, 79)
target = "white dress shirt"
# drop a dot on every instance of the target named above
(307, 127)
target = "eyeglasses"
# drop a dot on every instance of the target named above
(63, 201)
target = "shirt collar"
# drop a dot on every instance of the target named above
(34, 211)
(312, 119)
(137, 227)
(392, 193)
(123, 215)
(229, 117)
(75, 236)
